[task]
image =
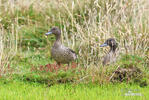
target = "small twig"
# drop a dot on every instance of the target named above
(82, 78)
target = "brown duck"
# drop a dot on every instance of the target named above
(111, 55)
(59, 52)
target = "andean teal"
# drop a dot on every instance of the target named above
(59, 52)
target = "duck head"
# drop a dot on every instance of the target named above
(55, 30)
(110, 42)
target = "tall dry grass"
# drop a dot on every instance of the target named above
(127, 21)
(8, 39)
(8, 49)
(86, 24)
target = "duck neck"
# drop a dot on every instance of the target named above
(58, 38)
(58, 41)
(113, 49)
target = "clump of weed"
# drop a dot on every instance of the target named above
(129, 70)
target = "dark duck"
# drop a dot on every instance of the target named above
(111, 55)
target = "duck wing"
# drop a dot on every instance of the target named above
(72, 51)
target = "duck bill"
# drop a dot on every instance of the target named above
(48, 33)
(104, 45)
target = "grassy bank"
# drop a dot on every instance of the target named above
(84, 24)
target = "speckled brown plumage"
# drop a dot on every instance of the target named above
(111, 56)
(59, 52)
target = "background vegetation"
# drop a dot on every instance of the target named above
(85, 24)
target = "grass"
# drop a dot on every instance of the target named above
(18, 90)
(25, 51)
